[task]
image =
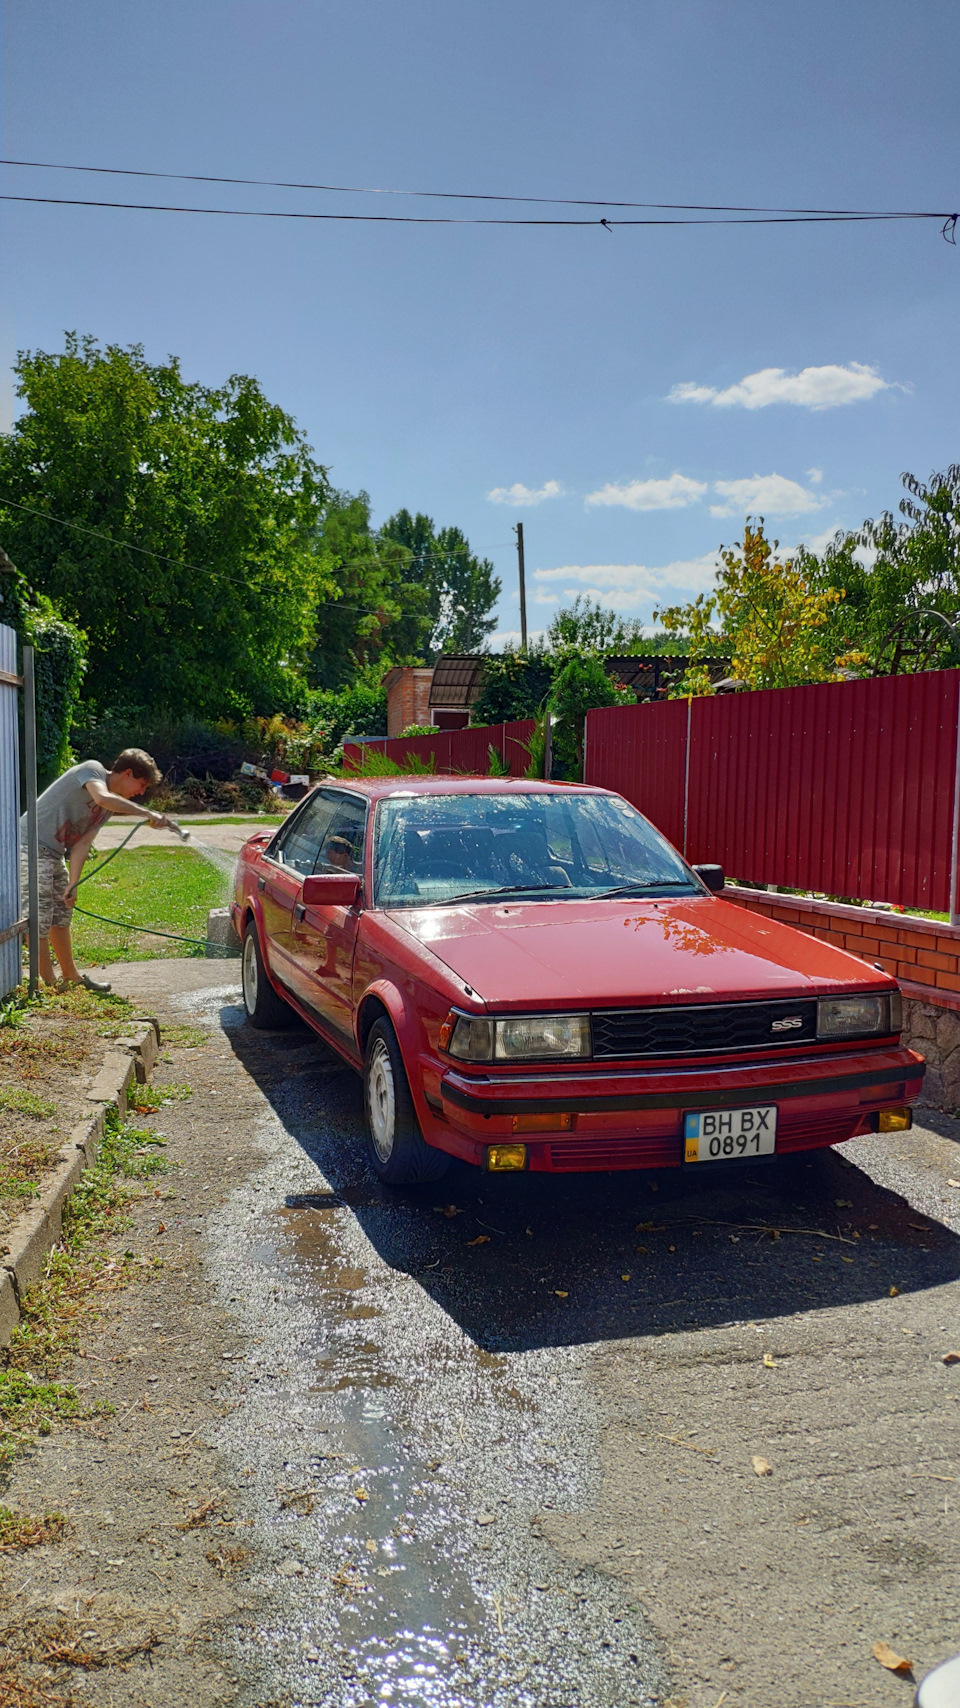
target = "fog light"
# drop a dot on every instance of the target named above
(500, 1158)
(894, 1120)
(542, 1123)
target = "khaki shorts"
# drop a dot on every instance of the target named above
(54, 878)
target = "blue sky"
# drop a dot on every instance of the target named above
(603, 386)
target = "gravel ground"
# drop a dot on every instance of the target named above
(491, 1442)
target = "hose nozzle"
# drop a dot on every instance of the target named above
(178, 830)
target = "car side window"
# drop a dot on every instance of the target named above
(342, 847)
(299, 844)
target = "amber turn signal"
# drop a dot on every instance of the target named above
(542, 1123)
(894, 1120)
(446, 1030)
(501, 1158)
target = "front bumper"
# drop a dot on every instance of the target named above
(633, 1118)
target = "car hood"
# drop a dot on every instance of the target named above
(598, 953)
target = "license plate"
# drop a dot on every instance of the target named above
(721, 1135)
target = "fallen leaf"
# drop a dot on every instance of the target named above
(762, 1466)
(370, 1545)
(486, 1518)
(893, 1292)
(644, 1248)
(671, 1248)
(844, 1203)
(890, 1659)
(481, 1239)
(921, 1227)
(950, 1358)
(643, 1227)
(953, 1182)
(624, 1277)
(769, 1361)
(161, 1227)
(447, 1210)
(360, 1495)
(561, 1295)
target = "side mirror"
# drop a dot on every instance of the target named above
(712, 876)
(331, 889)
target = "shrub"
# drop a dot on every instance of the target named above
(581, 685)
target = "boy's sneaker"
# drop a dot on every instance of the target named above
(101, 986)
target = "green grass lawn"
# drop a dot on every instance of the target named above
(171, 888)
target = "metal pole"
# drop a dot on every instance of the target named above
(523, 587)
(686, 774)
(30, 789)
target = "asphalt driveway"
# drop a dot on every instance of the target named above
(493, 1441)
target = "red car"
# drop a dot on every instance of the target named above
(528, 975)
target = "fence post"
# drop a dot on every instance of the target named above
(12, 923)
(955, 836)
(955, 832)
(686, 774)
(30, 790)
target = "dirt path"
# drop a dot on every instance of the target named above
(491, 1444)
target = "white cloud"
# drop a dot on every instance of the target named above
(674, 493)
(765, 495)
(522, 497)
(811, 388)
(815, 476)
(625, 586)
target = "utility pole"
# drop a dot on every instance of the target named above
(518, 530)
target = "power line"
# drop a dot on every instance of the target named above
(205, 569)
(468, 195)
(948, 220)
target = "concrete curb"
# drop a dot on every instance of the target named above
(37, 1230)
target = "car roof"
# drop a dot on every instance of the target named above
(379, 787)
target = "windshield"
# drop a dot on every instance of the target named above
(433, 849)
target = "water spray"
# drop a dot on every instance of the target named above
(184, 836)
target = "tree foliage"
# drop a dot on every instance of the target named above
(459, 588)
(216, 488)
(774, 620)
(581, 686)
(588, 626)
(892, 576)
(515, 685)
(382, 613)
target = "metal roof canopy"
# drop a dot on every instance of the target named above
(457, 680)
(649, 674)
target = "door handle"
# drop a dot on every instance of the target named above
(299, 911)
(261, 883)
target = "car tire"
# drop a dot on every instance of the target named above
(265, 1009)
(398, 1152)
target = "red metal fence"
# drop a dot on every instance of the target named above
(456, 750)
(846, 788)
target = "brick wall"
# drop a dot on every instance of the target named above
(922, 954)
(408, 697)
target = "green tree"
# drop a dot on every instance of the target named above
(774, 620)
(382, 611)
(461, 588)
(579, 688)
(515, 685)
(588, 626)
(892, 574)
(208, 599)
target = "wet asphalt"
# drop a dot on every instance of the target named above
(412, 1384)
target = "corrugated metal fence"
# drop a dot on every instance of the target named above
(10, 912)
(846, 788)
(456, 750)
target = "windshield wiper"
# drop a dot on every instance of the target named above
(644, 889)
(504, 890)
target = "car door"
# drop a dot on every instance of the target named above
(325, 937)
(291, 856)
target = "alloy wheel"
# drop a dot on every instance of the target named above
(382, 1101)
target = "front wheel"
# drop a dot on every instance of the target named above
(265, 1009)
(398, 1152)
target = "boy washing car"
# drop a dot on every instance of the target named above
(69, 814)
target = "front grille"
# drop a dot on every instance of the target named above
(706, 1028)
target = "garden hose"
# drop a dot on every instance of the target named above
(214, 950)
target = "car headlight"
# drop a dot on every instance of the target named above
(524, 1038)
(859, 1016)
